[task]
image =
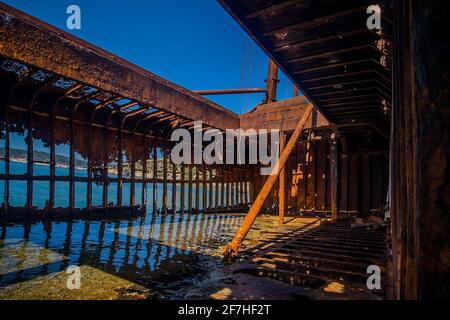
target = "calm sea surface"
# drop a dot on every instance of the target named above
(42, 190)
(163, 253)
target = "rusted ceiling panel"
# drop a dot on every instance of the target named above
(28, 40)
(326, 49)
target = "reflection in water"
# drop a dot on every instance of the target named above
(147, 250)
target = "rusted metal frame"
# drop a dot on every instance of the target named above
(316, 21)
(240, 189)
(229, 189)
(233, 247)
(72, 162)
(367, 115)
(334, 179)
(72, 145)
(204, 188)
(7, 147)
(179, 123)
(190, 168)
(356, 104)
(271, 82)
(222, 200)
(165, 118)
(346, 75)
(164, 199)
(133, 172)
(355, 110)
(135, 113)
(282, 185)
(182, 186)
(222, 187)
(253, 33)
(232, 194)
(144, 178)
(236, 188)
(153, 115)
(120, 157)
(188, 123)
(7, 138)
(98, 107)
(215, 181)
(155, 178)
(336, 65)
(374, 83)
(114, 74)
(378, 88)
(174, 188)
(207, 187)
(314, 183)
(331, 53)
(310, 42)
(121, 108)
(243, 189)
(210, 190)
(246, 182)
(119, 167)
(197, 188)
(7, 157)
(366, 96)
(332, 85)
(83, 122)
(271, 9)
(30, 155)
(357, 91)
(228, 181)
(251, 186)
(237, 193)
(105, 172)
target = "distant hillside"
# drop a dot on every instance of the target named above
(21, 155)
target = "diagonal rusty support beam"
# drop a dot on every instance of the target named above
(232, 248)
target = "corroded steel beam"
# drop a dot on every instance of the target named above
(232, 248)
(33, 42)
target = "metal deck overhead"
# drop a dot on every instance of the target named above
(326, 49)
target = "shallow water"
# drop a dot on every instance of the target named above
(152, 251)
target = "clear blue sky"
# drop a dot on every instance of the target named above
(194, 43)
